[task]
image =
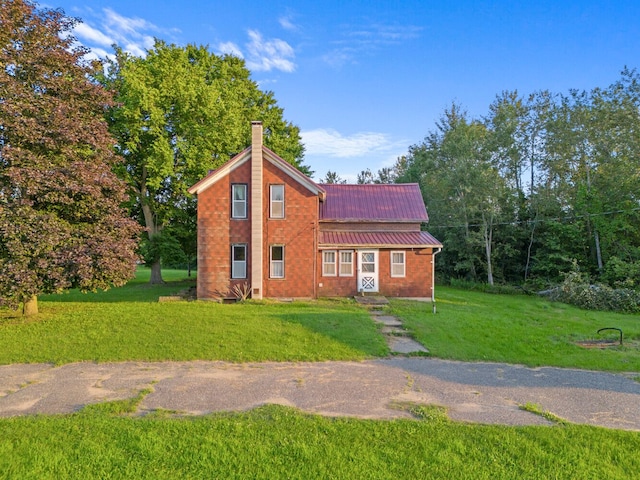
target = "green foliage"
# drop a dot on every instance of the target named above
(622, 274)
(541, 181)
(278, 442)
(163, 247)
(486, 288)
(577, 290)
(180, 112)
(61, 221)
(518, 329)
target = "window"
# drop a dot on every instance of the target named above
(397, 264)
(277, 201)
(329, 263)
(346, 263)
(239, 261)
(239, 200)
(277, 261)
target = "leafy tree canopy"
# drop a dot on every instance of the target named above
(61, 221)
(181, 111)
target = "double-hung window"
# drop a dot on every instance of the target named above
(277, 261)
(346, 263)
(329, 263)
(337, 263)
(239, 260)
(398, 264)
(239, 200)
(276, 197)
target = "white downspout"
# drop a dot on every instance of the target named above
(433, 277)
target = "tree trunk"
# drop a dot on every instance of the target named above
(30, 307)
(533, 229)
(598, 251)
(156, 273)
(488, 238)
(152, 229)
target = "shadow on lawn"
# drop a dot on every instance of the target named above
(350, 328)
(132, 292)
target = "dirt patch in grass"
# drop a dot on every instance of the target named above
(598, 343)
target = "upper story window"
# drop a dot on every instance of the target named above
(276, 197)
(239, 200)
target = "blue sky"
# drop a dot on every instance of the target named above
(364, 80)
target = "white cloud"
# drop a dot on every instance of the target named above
(230, 48)
(266, 55)
(92, 35)
(287, 24)
(356, 41)
(125, 25)
(107, 27)
(330, 143)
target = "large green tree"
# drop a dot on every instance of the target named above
(463, 191)
(61, 221)
(180, 112)
(544, 183)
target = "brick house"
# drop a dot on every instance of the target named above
(265, 225)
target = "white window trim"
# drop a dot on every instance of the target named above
(234, 201)
(233, 262)
(271, 261)
(272, 201)
(404, 263)
(350, 274)
(325, 263)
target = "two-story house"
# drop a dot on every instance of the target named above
(264, 224)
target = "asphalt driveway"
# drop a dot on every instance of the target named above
(473, 392)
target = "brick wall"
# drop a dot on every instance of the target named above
(296, 231)
(417, 280)
(416, 283)
(217, 231)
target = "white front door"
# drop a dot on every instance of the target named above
(367, 270)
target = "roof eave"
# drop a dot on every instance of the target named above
(325, 246)
(216, 175)
(372, 220)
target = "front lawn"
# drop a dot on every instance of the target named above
(128, 323)
(475, 326)
(279, 442)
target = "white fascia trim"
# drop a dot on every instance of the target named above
(220, 173)
(292, 172)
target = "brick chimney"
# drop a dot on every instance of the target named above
(256, 211)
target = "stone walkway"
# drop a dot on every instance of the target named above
(398, 339)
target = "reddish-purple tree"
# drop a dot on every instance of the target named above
(62, 224)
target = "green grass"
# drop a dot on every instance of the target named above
(278, 442)
(473, 326)
(128, 323)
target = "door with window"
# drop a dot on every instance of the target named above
(367, 271)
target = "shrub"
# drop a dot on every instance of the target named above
(576, 290)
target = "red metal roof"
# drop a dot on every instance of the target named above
(378, 239)
(373, 202)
